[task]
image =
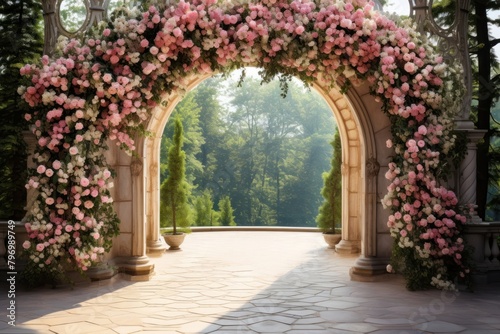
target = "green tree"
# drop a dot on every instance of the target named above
(213, 150)
(189, 113)
(265, 152)
(226, 212)
(174, 192)
(330, 213)
(205, 214)
(21, 42)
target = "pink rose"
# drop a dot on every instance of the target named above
(56, 164)
(84, 182)
(26, 244)
(73, 150)
(410, 67)
(299, 30)
(41, 169)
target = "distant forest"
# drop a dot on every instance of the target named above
(264, 152)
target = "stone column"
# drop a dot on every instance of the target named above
(350, 211)
(138, 265)
(368, 266)
(155, 243)
(467, 176)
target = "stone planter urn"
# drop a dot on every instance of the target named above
(332, 239)
(174, 240)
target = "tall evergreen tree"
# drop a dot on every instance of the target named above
(21, 42)
(330, 212)
(174, 192)
(205, 214)
(226, 212)
(189, 113)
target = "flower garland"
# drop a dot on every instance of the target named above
(106, 86)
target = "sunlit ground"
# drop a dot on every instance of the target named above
(254, 282)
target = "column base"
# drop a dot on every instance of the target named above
(101, 271)
(137, 268)
(369, 269)
(155, 248)
(347, 247)
(474, 219)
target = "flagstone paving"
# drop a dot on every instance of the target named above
(253, 282)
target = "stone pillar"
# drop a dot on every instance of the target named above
(467, 176)
(350, 211)
(369, 232)
(138, 265)
(155, 244)
(368, 266)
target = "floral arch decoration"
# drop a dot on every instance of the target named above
(103, 88)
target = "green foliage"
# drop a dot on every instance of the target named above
(417, 275)
(189, 113)
(174, 191)
(226, 212)
(265, 152)
(330, 212)
(205, 214)
(20, 42)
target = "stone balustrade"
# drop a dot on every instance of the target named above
(484, 237)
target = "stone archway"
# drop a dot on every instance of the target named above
(363, 128)
(372, 55)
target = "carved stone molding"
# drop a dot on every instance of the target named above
(372, 167)
(136, 166)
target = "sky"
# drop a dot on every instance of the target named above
(402, 7)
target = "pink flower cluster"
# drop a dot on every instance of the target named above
(107, 86)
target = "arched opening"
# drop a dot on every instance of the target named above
(248, 142)
(363, 128)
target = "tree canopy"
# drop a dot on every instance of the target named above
(252, 148)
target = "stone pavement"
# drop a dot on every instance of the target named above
(253, 282)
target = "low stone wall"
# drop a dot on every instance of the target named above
(484, 238)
